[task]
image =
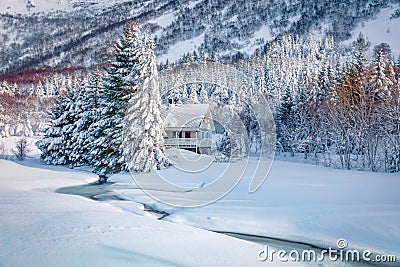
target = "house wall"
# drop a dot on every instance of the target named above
(175, 133)
(202, 145)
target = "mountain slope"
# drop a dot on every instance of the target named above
(59, 33)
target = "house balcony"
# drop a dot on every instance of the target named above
(187, 142)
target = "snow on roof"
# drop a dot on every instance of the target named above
(185, 115)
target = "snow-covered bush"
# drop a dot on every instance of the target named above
(21, 149)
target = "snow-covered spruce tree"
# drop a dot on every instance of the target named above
(193, 96)
(143, 132)
(178, 93)
(56, 145)
(380, 82)
(223, 145)
(286, 123)
(203, 95)
(119, 86)
(39, 91)
(86, 107)
(387, 107)
(392, 125)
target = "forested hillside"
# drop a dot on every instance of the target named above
(73, 33)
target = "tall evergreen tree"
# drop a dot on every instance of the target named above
(56, 146)
(380, 83)
(143, 132)
(86, 107)
(120, 85)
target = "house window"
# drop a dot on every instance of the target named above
(180, 135)
(202, 135)
(187, 134)
(206, 134)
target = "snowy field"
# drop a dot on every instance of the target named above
(314, 204)
(42, 228)
(298, 202)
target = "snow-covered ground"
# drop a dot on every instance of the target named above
(314, 204)
(180, 48)
(382, 29)
(7, 146)
(39, 227)
(298, 202)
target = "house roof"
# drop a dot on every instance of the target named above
(184, 115)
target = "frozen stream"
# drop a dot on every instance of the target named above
(105, 192)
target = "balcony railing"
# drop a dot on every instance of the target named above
(187, 142)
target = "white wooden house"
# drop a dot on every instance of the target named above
(188, 126)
